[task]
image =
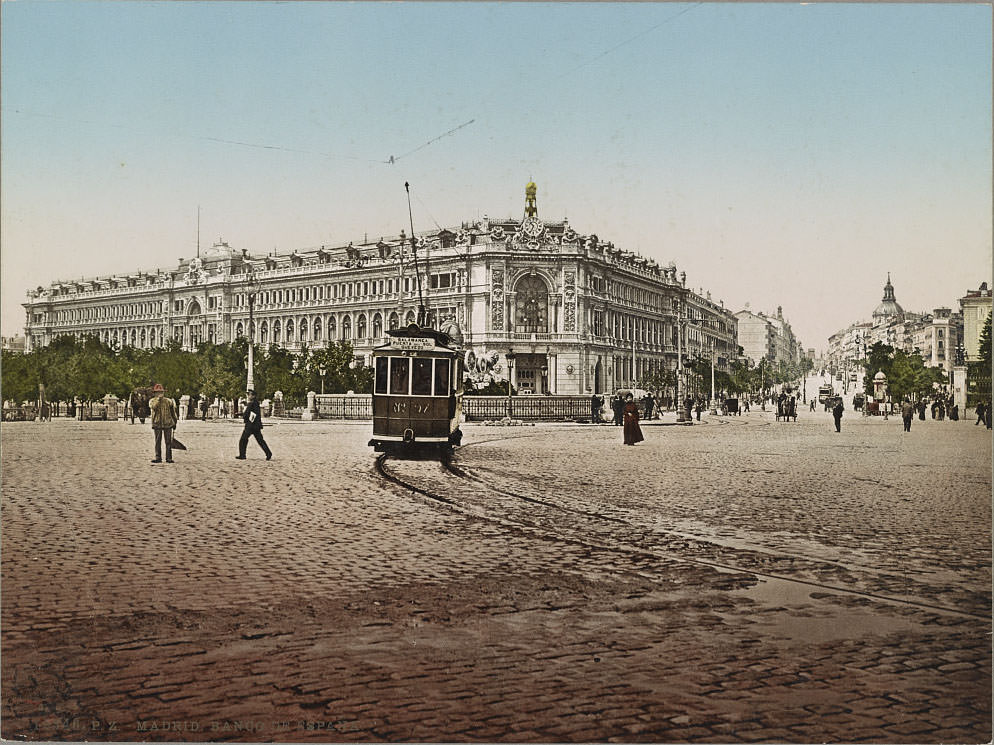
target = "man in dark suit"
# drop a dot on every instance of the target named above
(252, 417)
(837, 413)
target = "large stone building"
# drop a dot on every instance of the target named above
(976, 308)
(576, 313)
(768, 337)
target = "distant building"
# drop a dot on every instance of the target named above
(577, 313)
(767, 337)
(12, 343)
(976, 307)
(934, 335)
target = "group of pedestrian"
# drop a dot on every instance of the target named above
(164, 415)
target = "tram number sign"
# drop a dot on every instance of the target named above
(412, 343)
(400, 407)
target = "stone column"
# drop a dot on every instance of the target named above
(958, 384)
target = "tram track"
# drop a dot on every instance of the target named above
(441, 480)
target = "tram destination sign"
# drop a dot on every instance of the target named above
(411, 342)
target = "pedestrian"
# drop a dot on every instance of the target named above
(618, 405)
(907, 412)
(921, 410)
(203, 408)
(252, 416)
(163, 412)
(650, 404)
(980, 413)
(633, 433)
(812, 404)
(837, 413)
(987, 414)
(595, 409)
(697, 409)
(954, 412)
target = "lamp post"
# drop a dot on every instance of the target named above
(322, 371)
(251, 290)
(510, 364)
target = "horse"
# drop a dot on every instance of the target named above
(138, 404)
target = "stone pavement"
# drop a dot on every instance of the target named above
(736, 581)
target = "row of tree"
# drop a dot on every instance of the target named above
(741, 377)
(89, 369)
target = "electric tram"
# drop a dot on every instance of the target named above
(417, 390)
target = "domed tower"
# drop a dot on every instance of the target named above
(889, 307)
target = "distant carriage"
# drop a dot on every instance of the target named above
(138, 404)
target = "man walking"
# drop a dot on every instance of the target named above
(595, 409)
(163, 412)
(980, 414)
(837, 413)
(252, 416)
(907, 412)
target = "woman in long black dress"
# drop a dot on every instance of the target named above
(633, 433)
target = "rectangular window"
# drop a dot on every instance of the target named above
(399, 370)
(381, 374)
(365, 288)
(441, 377)
(421, 378)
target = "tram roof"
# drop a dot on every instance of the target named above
(439, 338)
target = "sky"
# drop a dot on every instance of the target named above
(780, 154)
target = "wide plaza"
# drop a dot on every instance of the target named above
(740, 579)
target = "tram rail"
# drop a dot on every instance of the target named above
(587, 525)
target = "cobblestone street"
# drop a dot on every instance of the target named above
(739, 580)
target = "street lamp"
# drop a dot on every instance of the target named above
(322, 371)
(510, 363)
(252, 286)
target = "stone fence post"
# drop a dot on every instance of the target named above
(310, 411)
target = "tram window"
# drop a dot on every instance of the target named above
(398, 375)
(381, 375)
(441, 377)
(421, 379)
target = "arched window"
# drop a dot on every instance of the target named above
(264, 333)
(303, 330)
(134, 337)
(289, 331)
(394, 321)
(377, 326)
(239, 330)
(360, 327)
(531, 306)
(332, 329)
(347, 328)
(143, 338)
(317, 329)
(277, 332)
(410, 318)
(151, 338)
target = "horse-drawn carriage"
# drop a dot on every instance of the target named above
(786, 408)
(138, 405)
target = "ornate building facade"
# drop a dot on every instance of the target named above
(559, 311)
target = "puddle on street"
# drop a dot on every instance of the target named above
(827, 621)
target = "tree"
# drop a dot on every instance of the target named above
(985, 341)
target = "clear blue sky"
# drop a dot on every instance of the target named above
(780, 154)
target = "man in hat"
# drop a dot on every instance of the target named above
(252, 416)
(163, 412)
